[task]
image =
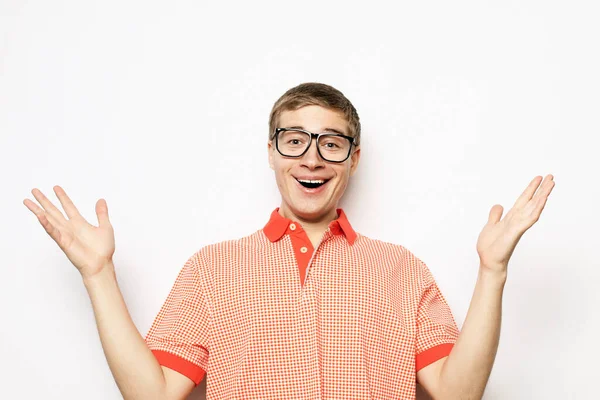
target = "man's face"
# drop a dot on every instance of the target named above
(312, 204)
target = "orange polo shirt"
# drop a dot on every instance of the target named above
(269, 317)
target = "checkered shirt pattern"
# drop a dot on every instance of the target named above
(356, 320)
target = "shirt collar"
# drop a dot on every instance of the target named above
(278, 225)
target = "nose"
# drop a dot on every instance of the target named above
(312, 159)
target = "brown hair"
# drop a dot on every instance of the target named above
(319, 94)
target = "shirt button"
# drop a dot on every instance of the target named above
(303, 249)
(293, 227)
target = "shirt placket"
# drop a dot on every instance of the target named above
(309, 318)
(303, 250)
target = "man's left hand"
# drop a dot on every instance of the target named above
(498, 239)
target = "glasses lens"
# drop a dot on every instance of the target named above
(292, 143)
(334, 148)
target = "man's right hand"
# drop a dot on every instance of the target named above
(90, 248)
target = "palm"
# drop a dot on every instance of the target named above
(499, 238)
(496, 243)
(88, 247)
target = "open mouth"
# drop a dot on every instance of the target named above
(312, 184)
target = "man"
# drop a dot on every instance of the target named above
(305, 307)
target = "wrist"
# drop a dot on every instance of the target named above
(106, 273)
(493, 276)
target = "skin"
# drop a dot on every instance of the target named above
(313, 211)
(461, 375)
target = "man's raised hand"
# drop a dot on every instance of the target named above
(90, 248)
(499, 237)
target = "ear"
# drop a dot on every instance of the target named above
(270, 150)
(354, 158)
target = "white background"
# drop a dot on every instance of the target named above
(162, 109)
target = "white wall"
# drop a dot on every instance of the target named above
(161, 108)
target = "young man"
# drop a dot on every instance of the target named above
(305, 308)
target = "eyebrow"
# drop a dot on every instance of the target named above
(325, 130)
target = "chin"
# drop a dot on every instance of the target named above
(311, 211)
(307, 203)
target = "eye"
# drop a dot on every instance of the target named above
(332, 143)
(293, 138)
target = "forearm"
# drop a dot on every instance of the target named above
(466, 371)
(135, 369)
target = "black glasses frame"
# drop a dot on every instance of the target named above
(317, 136)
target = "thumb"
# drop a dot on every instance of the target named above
(102, 213)
(495, 214)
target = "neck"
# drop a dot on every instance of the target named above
(314, 227)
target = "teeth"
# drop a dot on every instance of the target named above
(313, 182)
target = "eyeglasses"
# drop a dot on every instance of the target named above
(332, 147)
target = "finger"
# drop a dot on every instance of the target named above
(528, 192)
(32, 206)
(66, 202)
(533, 210)
(47, 205)
(543, 191)
(495, 214)
(39, 212)
(51, 228)
(102, 213)
(545, 185)
(541, 201)
(50, 224)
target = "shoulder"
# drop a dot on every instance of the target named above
(233, 248)
(393, 252)
(366, 244)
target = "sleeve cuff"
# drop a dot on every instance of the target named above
(432, 354)
(176, 363)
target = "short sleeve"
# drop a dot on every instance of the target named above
(179, 336)
(437, 331)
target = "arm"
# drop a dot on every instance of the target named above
(90, 248)
(466, 370)
(135, 369)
